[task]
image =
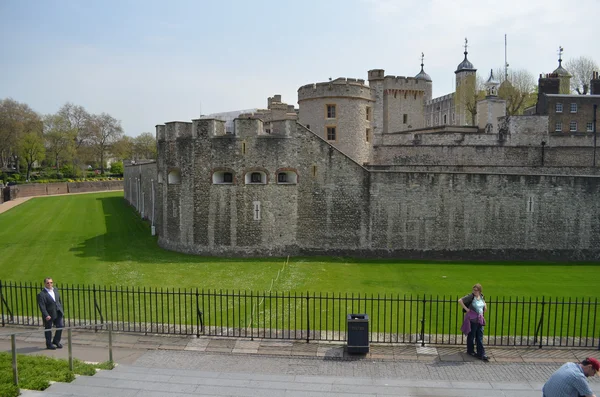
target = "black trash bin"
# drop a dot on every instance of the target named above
(358, 333)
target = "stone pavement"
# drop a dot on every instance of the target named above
(185, 366)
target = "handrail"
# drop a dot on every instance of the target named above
(38, 329)
(13, 344)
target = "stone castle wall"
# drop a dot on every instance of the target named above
(338, 207)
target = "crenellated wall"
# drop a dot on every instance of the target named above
(334, 206)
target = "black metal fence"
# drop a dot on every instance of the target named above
(309, 316)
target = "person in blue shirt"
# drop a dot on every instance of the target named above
(570, 379)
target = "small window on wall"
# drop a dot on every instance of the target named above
(405, 118)
(589, 127)
(368, 113)
(368, 134)
(287, 178)
(222, 178)
(331, 134)
(174, 177)
(256, 178)
(559, 108)
(573, 126)
(558, 126)
(330, 111)
(445, 119)
(573, 108)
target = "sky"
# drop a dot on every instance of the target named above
(147, 62)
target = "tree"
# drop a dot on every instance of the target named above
(78, 122)
(60, 138)
(32, 149)
(16, 120)
(518, 91)
(123, 148)
(144, 146)
(581, 71)
(104, 130)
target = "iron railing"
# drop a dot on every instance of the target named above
(561, 322)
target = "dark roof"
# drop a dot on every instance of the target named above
(422, 75)
(465, 65)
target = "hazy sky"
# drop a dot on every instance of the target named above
(147, 62)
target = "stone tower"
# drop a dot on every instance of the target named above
(466, 91)
(491, 107)
(563, 75)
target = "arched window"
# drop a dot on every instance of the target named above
(174, 177)
(222, 177)
(287, 178)
(255, 178)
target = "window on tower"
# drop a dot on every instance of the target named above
(331, 134)
(331, 111)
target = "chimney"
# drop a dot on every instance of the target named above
(595, 84)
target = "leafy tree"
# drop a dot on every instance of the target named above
(60, 138)
(78, 122)
(123, 148)
(581, 71)
(518, 91)
(144, 146)
(104, 130)
(16, 120)
(32, 149)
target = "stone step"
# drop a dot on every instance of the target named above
(154, 382)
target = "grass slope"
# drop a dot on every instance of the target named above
(98, 239)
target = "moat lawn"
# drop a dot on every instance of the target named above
(98, 239)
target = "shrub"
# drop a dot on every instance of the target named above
(117, 168)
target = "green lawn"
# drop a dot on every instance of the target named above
(98, 239)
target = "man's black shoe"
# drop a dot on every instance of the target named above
(50, 347)
(57, 345)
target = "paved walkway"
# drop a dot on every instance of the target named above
(5, 206)
(185, 366)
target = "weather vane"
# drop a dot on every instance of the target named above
(560, 51)
(466, 44)
(422, 58)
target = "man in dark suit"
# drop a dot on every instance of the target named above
(52, 311)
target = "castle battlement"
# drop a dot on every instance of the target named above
(173, 130)
(440, 99)
(340, 87)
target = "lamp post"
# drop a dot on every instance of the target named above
(595, 110)
(543, 146)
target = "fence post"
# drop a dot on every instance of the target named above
(70, 347)
(13, 347)
(307, 317)
(1, 298)
(423, 322)
(199, 316)
(538, 331)
(110, 350)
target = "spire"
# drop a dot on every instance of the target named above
(465, 65)
(422, 75)
(560, 71)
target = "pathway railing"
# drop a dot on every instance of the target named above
(544, 321)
